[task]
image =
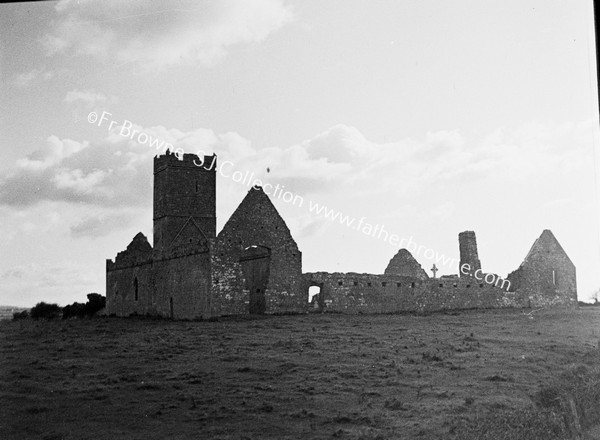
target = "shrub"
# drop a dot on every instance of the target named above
(75, 310)
(21, 315)
(46, 311)
(96, 302)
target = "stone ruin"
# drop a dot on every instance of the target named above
(254, 266)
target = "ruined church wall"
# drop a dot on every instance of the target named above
(256, 222)
(369, 293)
(185, 277)
(120, 289)
(284, 291)
(185, 280)
(534, 280)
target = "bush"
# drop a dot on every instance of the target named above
(75, 310)
(96, 302)
(21, 315)
(46, 311)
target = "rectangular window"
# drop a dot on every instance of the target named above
(383, 284)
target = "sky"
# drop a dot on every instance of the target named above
(420, 119)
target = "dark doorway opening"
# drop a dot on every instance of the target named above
(256, 264)
(316, 297)
(171, 308)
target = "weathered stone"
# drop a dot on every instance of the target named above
(404, 264)
(368, 293)
(468, 252)
(254, 265)
(547, 276)
(257, 223)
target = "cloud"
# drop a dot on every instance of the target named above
(79, 172)
(25, 79)
(159, 35)
(89, 99)
(115, 172)
(102, 224)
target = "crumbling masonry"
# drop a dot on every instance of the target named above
(254, 265)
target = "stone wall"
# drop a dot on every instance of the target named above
(183, 286)
(404, 264)
(467, 244)
(256, 222)
(183, 190)
(121, 287)
(368, 293)
(146, 282)
(547, 277)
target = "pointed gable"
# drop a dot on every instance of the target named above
(544, 246)
(256, 216)
(190, 235)
(139, 244)
(138, 250)
(404, 264)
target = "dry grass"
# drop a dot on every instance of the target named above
(487, 374)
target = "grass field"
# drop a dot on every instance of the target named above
(461, 375)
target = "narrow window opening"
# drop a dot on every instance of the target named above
(356, 283)
(369, 284)
(441, 285)
(197, 186)
(136, 289)
(412, 285)
(340, 283)
(481, 285)
(468, 285)
(383, 284)
(398, 284)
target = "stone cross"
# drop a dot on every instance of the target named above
(434, 270)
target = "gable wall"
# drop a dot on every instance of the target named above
(256, 222)
(534, 277)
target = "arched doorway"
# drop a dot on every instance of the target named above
(256, 263)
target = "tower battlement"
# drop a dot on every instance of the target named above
(172, 160)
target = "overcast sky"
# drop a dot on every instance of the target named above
(425, 118)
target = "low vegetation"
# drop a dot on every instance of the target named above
(497, 374)
(46, 311)
(42, 310)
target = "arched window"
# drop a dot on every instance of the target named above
(136, 289)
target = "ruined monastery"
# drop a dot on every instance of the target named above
(254, 265)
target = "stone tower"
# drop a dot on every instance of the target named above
(183, 191)
(468, 252)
